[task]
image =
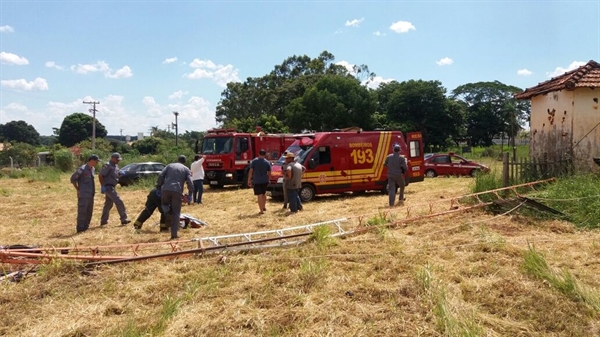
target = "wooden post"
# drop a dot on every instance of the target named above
(505, 169)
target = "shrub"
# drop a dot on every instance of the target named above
(63, 159)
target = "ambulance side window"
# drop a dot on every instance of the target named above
(321, 156)
(415, 148)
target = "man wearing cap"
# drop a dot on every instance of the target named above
(293, 182)
(396, 165)
(83, 180)
(258, 179)
(109, 177)
(171, 181)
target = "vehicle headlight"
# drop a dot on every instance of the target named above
(229, 175)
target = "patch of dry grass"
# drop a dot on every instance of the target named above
(457, 275)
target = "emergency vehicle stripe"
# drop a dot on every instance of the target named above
(360, 175)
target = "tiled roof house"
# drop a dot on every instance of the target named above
(565, 120)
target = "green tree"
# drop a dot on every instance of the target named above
(149, 145)
(492, 110)
(22, 154)
(334, 102)
(268, 124)
(77, 127)
(19, 131)
(269, 95)
(418, 105)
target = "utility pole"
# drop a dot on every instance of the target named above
(93, 111)
(176, 126)
(121, 134)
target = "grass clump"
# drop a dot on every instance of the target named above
(535, 265)
(576, 196)
(448, 321)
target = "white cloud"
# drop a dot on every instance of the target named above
(196, 63)
(220, 74)
(194, 114)
(376, 81)
(402, 27)
(21, 84)
(103, 68)
(99, 66)
(6, 29)
(524, 72)
(52, 64)
(170, 60)
(16, 107)
(378, 33)
(178, 94)
(560, 70)
(124, 72)
(8, 58)
(349, 66)
(446, 61)
(339, 31)
(354, 23)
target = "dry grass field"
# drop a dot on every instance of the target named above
(467, 274)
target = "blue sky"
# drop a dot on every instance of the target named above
(142, 60)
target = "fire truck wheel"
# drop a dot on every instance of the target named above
(245, 180)
(307, 192)
(430, 173)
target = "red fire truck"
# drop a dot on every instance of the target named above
(228, 154)
(338, 162)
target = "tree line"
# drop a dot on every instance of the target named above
(304, 93)
(316, 94)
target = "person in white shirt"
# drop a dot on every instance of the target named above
(198, 178)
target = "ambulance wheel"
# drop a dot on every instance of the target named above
(475, 172)
(307, 192)
(430, 174)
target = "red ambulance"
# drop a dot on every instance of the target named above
(352, 161)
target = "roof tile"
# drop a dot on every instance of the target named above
(586, 76)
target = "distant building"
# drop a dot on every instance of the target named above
(565, 121)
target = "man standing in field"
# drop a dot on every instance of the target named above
(109, 177)
(293, 182)
(283, 167)
(171, 181)
(83, 180)
(258, 179)
(396, 165)
(198, 178)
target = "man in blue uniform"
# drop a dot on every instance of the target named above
(171, 181)
(396, 165)
(83, 180)
(109, 177)
(153, 202)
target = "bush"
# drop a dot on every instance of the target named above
(63, 159)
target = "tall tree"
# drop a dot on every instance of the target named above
(423, 106)
(270, 94)
(492, 110)
(19, 131)
(333, 102)
(77, 127)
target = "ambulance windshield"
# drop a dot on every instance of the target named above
(216, 145)
(299, 151)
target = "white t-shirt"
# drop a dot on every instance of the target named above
(197, 169)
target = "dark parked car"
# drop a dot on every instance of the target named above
(450, 164)
(132, 172)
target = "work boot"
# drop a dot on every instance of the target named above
(137, 225)
(125, 222)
